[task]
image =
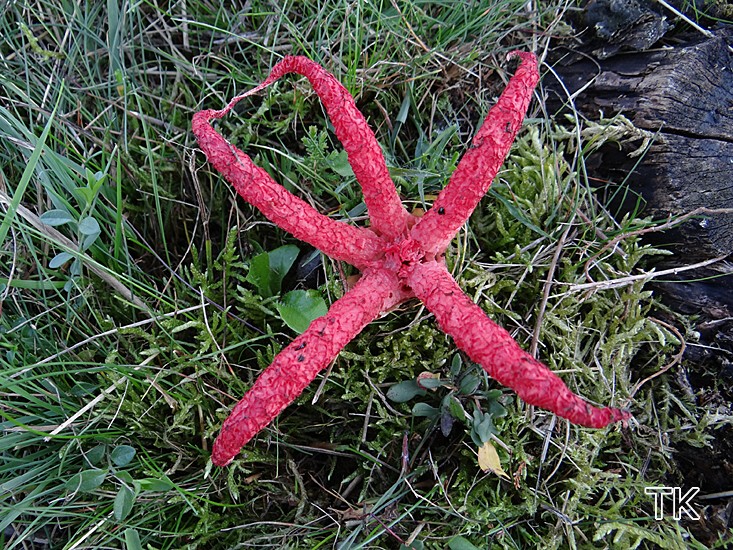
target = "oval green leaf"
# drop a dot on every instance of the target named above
(453, 405)
(430, 383)
(89, 226)
(60, 259)
(56, 217)
(86, 481)
(95, 454)
(469, 384)
(404, 391)
(423, 409)
(122, 455)
(125, 477)
(153, 484)
(299, 308)
(456, 364)
(123, 503)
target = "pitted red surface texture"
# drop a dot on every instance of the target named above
(400, 256)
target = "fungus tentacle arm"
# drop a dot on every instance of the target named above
(388, 216)
(386, 211)
(481, 163)
(298, 364)
(491, 346)
(339, 240)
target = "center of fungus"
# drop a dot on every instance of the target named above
(403, 255)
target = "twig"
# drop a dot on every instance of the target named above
(678, 13)
(624, 281)
(686, 19)
(69, 421)
(669, 224)
(546, 290)
(675, 360)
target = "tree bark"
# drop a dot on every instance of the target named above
(685, 96)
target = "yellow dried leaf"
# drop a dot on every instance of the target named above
(488, 460)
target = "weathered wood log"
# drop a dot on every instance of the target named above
(685, 96)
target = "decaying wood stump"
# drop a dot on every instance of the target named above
(685, 96)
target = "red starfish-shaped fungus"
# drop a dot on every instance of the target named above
(400, 255)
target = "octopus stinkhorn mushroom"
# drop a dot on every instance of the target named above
(400, 256)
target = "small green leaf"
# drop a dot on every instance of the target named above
(132, 539)
(423, 409)
(430, 383)
(460, 543)
(482, 428)
(299, 308)
(88, 241)
(75, 269)
(404, 391)
(281, 260)
(259, 274)
(123, 503)
(84, 195)
(60, 259)
(453, 405)
(404, 109)
(493, 395)
(497, 410)
(469, 384)
(154, 484)
(122, 455)
(95, 454)
(125, 477)
(56, 217)
(456, 364)
(95, 179)
(340, 164)
(89, 226)
(85, 481)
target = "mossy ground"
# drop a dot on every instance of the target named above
(121, 358)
